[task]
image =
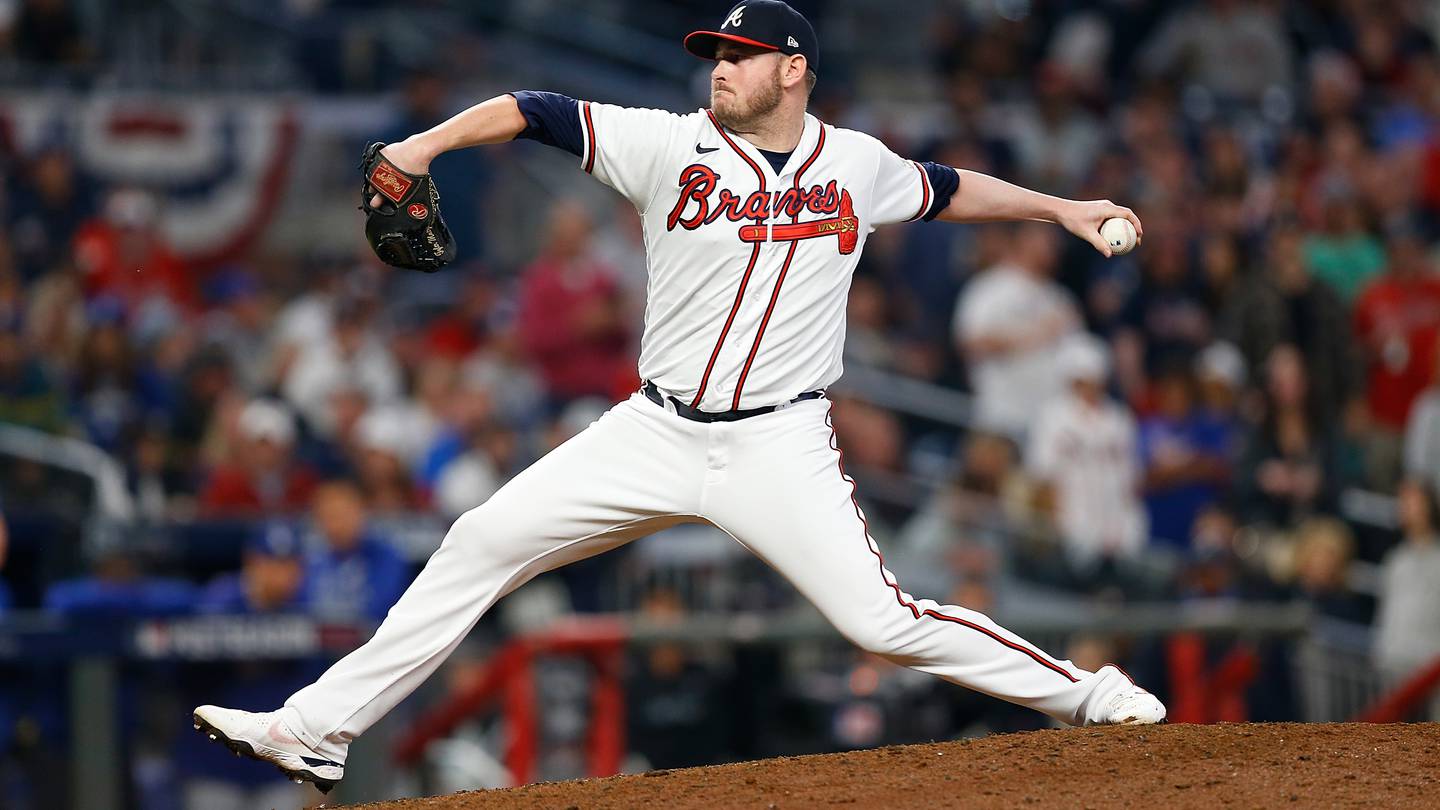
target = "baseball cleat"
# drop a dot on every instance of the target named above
(266, 737)
(1133, 707)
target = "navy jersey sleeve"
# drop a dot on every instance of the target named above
(943, 181)
(551, 118)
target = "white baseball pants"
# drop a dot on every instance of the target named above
(774, 482)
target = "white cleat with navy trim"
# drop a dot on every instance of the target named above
(266, 737)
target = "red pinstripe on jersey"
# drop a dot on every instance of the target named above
(590, 140)
(1036, 656)
(780, 280)
(744, 280)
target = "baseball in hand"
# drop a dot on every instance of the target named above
(1119, 234)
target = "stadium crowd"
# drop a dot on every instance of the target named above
(1180, 423)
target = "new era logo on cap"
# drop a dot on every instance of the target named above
(791, 42)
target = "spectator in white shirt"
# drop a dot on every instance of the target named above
(1422, 435)
(1083, 449)
(1408, 625)
(353, 355)
(1009, 323)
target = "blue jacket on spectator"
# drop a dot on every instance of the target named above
(359, 585)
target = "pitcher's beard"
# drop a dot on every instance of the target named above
(744, 117)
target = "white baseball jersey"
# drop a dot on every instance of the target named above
(749, 270)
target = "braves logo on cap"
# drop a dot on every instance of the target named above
(770, 25)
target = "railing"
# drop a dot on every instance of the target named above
(112, 499)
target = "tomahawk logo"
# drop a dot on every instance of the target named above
(734, 18)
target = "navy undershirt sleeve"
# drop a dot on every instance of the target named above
(945, 181)
(551, 119)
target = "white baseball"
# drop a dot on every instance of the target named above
(1119, 234)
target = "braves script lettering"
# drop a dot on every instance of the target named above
(702, 202)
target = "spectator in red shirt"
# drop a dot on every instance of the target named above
(264, 476)
(1397, 319)
(572, 319)
(123, 254)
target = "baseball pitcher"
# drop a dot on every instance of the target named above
(755, 214)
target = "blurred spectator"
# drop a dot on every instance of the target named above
(1165, 322)
(118, 586)
(353, 574)
(675, 713)
(958, 538)
(54, 320)
(1343, 254)
(1422, 431)
(47, 32)
(435, 383)
(1397, 320)
(46, 209)
(263, 475)
(1286, 306)
(381, 469)
(1291, 466)
(104, 396)
(1235, 49)
(1408, 624)
(867, 325)
(1324, 548)
(336, 455)
(1010, 320)
(349, 353)
(270, 581)
(27, 396)
(1220, 375)
(123, 254)
(160, 487)
(206, 380)
(238, 322)
(1212, 570)
(471, 478)
(1055, 138)
(1186, 459)
(1083, 447)
(572, 318)
(470, 323)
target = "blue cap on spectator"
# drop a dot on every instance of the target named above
(275, 539)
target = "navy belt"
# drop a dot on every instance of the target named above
(653, 394)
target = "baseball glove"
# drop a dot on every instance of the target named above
(405, 228)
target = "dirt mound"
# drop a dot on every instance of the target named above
(1243, 765)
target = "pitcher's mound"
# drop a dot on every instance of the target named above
(1173, 766)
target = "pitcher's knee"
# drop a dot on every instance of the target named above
(878, 639)
(481, 528)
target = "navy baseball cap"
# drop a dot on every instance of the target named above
(769, 24)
